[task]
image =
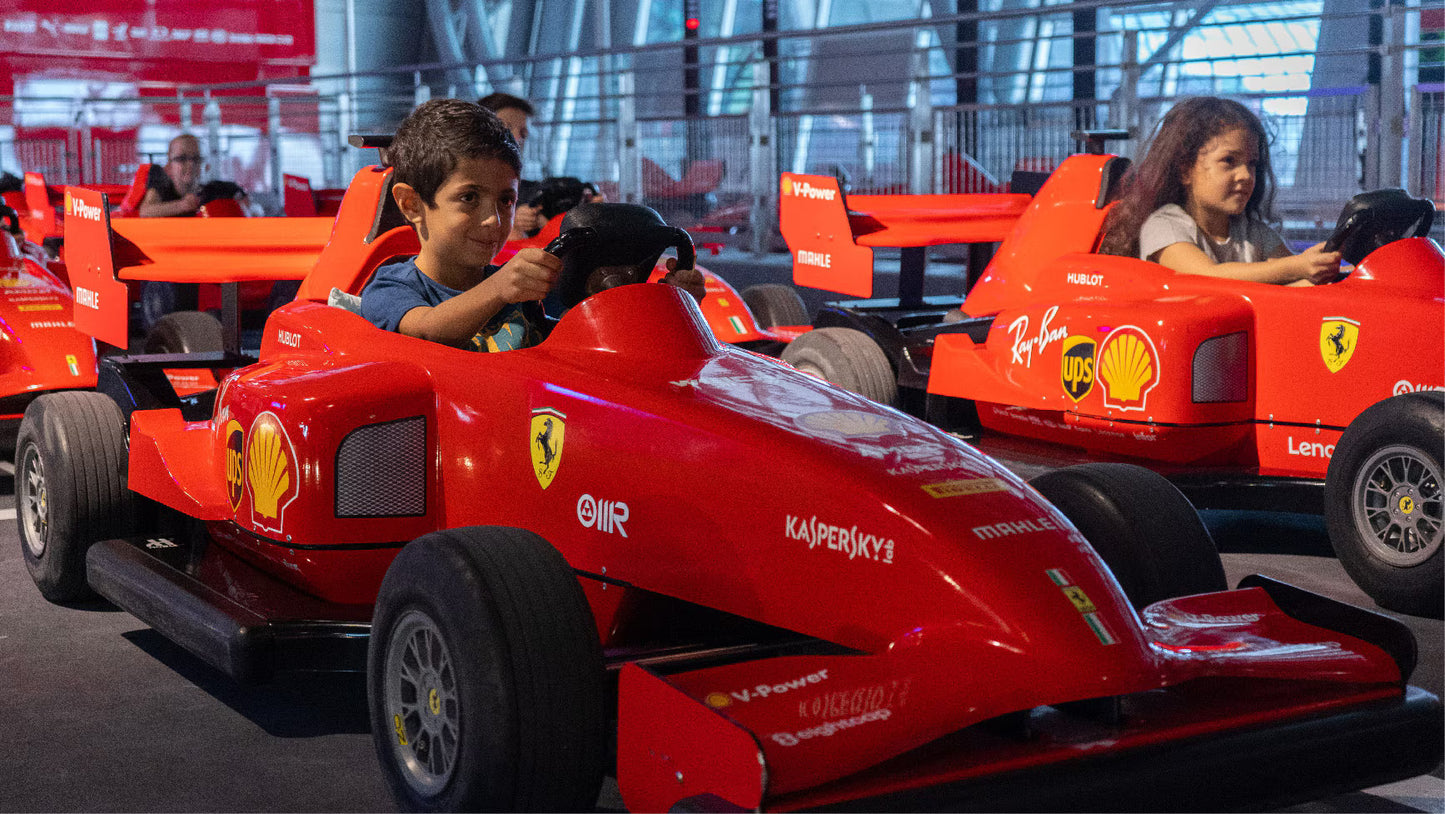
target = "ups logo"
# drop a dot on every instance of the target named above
(235, 463)
(1077, 368)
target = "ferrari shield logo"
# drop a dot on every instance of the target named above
(1337, 341)
(548, 429)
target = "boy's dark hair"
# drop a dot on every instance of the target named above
(1159, 178)
(440, 133)
(501, 101)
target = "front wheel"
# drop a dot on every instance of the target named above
(485, 677)
(848, 358)
(1142, 527)
(70, 487)
(1383, 502)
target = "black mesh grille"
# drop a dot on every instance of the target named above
(1221, 369)
(381, 470)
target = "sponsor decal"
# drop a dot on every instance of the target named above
(718, 700)
(847, 423)
(1309, 449)
(78, 208)
(72, 363)
(1076, 371)
(1403, 386)
(52, 323)
(548, 431)
(1080, 278)
(857, 701)
(737, 324)
(819, 259)
(269, 456)
(1081, 603)
(843, 539)
(1213, 620)
(1338, 336)
(87, 298)
(1008, 528)
(829, 729)
(922, 468)
(1025, 343)
(966, 486)
(607, 516)
(49, 306)
(235, 463)
(803, 189)
(157, 543)
(1128, 366)
(290, 339)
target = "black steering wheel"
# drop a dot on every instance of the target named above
(604, 245)
(1372, 219)
(11, 219)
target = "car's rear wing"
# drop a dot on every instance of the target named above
(102, 255)
(832, 239)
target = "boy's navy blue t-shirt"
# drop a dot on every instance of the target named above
(399, 287)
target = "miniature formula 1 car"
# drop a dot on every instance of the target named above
(1248, 395)
(521, 548)
(41, 351)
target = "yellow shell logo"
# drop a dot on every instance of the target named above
(69, 208)
(787, 185)
(1129, 368)
(847, 423)
(269, 458)
(1337, 342)
(718, 700)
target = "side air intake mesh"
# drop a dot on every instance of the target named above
(381, 470)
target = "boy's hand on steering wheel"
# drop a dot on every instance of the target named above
(688, 279)
(1320, 266)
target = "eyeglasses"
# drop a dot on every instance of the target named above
(186, 159)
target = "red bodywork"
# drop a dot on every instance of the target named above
(344, 442)
(39, 348)
(1124, 357)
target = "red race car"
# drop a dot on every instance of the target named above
(41, 351)
(1248, 395)
(526, 549)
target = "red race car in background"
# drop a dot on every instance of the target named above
(40, 350)
(523, 548)
(1248, 395)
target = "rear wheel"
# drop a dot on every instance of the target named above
(1144, 529)
(773, 304)
(159, 298)
(848, 358)
(70, 487)
(185, 332)
(486, 683)
(1383, 502)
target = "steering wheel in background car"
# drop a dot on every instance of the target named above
(1372, 219)
(11, 220)
(604, 245)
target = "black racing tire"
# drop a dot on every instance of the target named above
(1144, 529)
(158, 298)
(774, 304)
(1383, 502)
(185, 332)
(70, 487)
(485, 677)
(848, 358)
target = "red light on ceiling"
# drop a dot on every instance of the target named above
(692, 23)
